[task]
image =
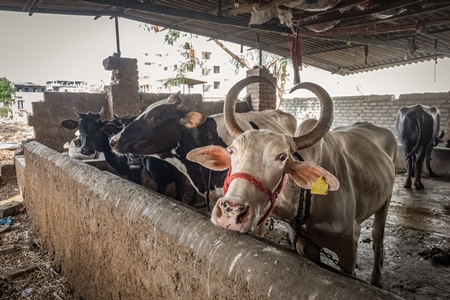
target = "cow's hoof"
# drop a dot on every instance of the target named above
(377, 283)
(407, 185)
(419, 186)
(431, 174)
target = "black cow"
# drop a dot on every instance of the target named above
(169, 130)
(417, 128)
(94, 139)
(161, 172)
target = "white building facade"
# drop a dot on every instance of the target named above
(26, 93)
(212, 78)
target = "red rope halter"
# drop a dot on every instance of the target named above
(272, 195)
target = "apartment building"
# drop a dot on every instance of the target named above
(67, 86)
(212, 78)
(26, 93)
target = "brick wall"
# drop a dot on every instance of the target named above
(378, 109)
(263, 96)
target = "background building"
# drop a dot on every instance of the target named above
(26, 93)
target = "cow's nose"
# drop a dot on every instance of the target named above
(87, 151)
(232, 210)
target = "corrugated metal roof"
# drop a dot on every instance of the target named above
(360, 41)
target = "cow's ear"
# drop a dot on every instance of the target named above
(111, 129)
(69, 124)
(215, 158)
(192, 119)
(306, 173)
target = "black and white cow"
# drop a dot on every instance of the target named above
(94, 139)
(169, 130)
(161, 172)
(417, 128)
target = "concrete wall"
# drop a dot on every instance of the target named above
(114, 239)
(440, 158)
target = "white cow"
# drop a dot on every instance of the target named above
(356, 162)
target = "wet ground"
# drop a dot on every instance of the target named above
(417, 221)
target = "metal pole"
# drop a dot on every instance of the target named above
(116, 20)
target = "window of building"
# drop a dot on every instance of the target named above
(35, 90)
(165, 68)
(216, 85)
(147, 63)
(216, 69)
(158, 55)
(25, 89)
(20, 104)
(206, 55)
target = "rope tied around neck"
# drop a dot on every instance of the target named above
(258, 184)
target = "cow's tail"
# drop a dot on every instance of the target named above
(419, 120)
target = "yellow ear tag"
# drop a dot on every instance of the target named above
(320, 187)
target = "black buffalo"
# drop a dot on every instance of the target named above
(417, 128)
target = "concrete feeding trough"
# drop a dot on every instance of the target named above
(114, 239)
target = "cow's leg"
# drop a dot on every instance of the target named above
(428, 161)
(307, 250)
(179, 188)
(413, 165)
(161, 188)
(419, 162)
(348, 249)
(409, 169)
(379, 223)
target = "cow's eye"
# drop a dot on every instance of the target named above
(283, 157)
(154, 119)
(231, 150)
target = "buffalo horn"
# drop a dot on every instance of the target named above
(326, 116)
(229, 109)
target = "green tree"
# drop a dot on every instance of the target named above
(6, 96)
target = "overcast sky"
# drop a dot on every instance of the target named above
(43, 47)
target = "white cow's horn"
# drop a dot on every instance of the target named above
(229, 107)
(326, 116)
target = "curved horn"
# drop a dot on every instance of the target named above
(76, 112)
(229, 107)
(101, 111)
(326, 116)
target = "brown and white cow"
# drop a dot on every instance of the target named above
(357, 163)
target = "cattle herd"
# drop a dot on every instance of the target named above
(256, 165)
